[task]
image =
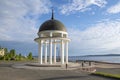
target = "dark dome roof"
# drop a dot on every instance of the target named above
(52, 25)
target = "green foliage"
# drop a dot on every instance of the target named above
(30, 57)
(1, 57)
(117, 76)
(6, 57)
(17, 58)
(6, 50)
(11, 55)
(20, 56)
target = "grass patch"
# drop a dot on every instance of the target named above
(116, 76)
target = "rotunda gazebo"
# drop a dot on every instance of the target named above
(52, 36)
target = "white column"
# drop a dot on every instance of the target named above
(54, 51)
(45, 52)
(50, 43)
(39, 45)
(50, 48)
(66, 52)
(40, 52)
(62, 52)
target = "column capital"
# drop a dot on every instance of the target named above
(51, 34)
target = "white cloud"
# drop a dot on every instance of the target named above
(104, 37)
(18, 18)
(81, 5)
(114, 9)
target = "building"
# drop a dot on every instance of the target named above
(2, 52)
(52, 35)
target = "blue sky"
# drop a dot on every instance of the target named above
(93, 25)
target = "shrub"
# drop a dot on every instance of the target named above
(30, 57)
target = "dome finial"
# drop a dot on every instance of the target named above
(52, 14)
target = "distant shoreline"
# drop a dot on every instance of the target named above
(2, 61)
(97, 61)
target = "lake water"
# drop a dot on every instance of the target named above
(110, 59)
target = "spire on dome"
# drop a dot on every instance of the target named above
(52, 14)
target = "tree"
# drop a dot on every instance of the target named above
(1, 57)
(12, 53)
(30, 57)
(6, 50)
(20, 56)
(6, 56)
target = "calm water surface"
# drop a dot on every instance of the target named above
(110, 59)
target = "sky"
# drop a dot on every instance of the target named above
(92, 25)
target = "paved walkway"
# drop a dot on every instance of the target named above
(37, 66)
(9, 73)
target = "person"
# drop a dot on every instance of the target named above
(82, 64)
(66, 66)
(90, 63)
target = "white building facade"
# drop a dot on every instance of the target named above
(2, 52)
(53, 42)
